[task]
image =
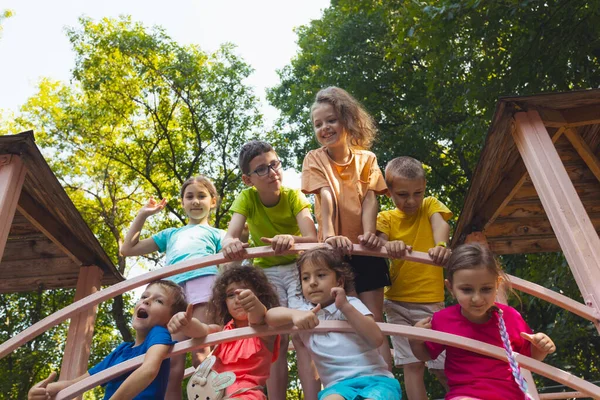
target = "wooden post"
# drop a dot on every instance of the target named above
(12, 176)
(81, 326)
(571, 224)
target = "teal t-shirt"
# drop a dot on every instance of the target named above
(190, 241)
(270, 221)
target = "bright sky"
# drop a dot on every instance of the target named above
(34, 45)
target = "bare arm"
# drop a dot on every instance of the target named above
(132, 245)
(441, 233)
(191, 327)
(144, 375)
(327, 209)
(541, 345)
(280, 316)
(284, 242)
(418, 346)
(232, 246)
(364, 325)
(48, 389)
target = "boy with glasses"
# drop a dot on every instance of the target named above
(276, 216)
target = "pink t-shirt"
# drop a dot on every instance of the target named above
(476, 375)
(250, 360)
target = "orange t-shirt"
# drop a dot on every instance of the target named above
(349, 183)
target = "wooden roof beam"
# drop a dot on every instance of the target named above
(507, 189)
(569, 118)
(12, 176)
(584, 151)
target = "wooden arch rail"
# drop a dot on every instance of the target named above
(536, 290)
(538, 367)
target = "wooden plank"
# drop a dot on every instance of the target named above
(573, 227)
(507, 189)
(577, 172)
(30, 284)
(584, 190)
(587, 155)
(81, 327)
(527, 226)
(534, 208)
(46, 223)
(523, 246)
(12, 176)
(41, 268)
(570, 117)
(31, 250)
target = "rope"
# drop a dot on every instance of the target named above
(512, 361)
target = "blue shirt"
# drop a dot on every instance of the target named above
(190, 241)
(126, 351)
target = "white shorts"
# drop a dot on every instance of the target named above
(402, 313)
(287, 283)
(198, 290)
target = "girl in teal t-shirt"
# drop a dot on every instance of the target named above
(196, 239)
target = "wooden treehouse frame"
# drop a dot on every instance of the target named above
(536, 188)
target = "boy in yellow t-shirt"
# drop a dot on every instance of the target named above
(417, 290)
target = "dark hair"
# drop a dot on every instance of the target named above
(249, 151)
(204, 181)
(474, 256)
(405, 167)
(255, 280)
(352, 115)
(323, 255)
(176, 294)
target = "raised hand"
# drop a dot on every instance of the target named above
(180, 320)
(370, 240)
(424, 323)
(39, 392)
(541, 341)
(440, 254)
(280, 243)
(152, 207)
(340, 243)
(306, 319)
(339, 294)
(248, 300)
(397, 248)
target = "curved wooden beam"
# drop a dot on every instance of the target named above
(52, 320)
(410, 332)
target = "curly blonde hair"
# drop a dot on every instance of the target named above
(359, 125)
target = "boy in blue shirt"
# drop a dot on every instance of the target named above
(160, 301)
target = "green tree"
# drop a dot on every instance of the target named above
(140, 116)
(430, 73)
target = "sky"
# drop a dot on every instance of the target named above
(34, 45)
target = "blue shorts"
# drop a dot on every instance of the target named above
(376, 387)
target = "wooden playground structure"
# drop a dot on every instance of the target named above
(536, 188)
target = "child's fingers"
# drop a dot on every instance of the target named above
(528, 337)
(189, 311)
(316, 309)
(266, 240)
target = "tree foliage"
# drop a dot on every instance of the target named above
(140, 116)
(430, 73)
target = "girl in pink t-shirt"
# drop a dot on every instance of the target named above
(473, 278)
(241, 297)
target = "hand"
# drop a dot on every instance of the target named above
(233, 249)
(152, 207)
(424, 323)
(339, 294)
(248, 300)
(370, 240)
(38, 391)
(541, 341)
(440, 254)
(280, 243)
(340, 243)
(180, 320)
(306, 319)
(397, 248)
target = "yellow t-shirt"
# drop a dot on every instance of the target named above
(414, 282)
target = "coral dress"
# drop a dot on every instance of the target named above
(250, 360)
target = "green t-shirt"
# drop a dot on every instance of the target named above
(270, 221)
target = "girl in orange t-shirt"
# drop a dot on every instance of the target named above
(344, 177)
(241, 297)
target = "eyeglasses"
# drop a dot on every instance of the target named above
(263, 170)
